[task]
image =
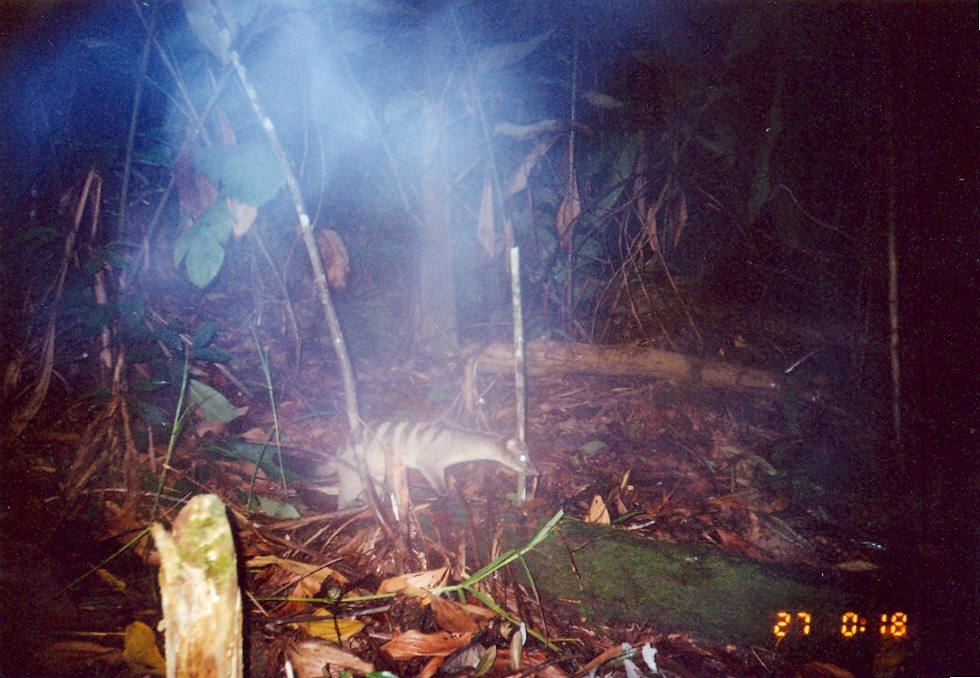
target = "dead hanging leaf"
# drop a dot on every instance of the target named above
(417, 644)
(856, 566)
(451, 616)
(568, 213)
(486, 232)
(506, 129)
(598, 512)
(332, 629)
(417, 580)
(141, 651)
(244, 215)
(195, 190)
(680, 218)
(334, 256)
(308, 658)
(519, 182)
(601, 100)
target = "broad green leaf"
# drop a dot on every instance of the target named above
(213, 405)
(592, 447)
(277, 509)
(204, 335)
(200, 246)
(204, 260)
(625, 162)
(249, 173)
(210, 354)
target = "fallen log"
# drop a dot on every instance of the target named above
(557, 359)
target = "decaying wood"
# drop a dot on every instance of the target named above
(557, 359)
(202, 605)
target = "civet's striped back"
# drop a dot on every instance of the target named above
(429, 448)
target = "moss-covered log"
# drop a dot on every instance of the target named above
(616, 575)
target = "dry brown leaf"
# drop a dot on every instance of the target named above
(519, 182)
(195, 191)
(531, 659)
(431, 667)
(114, 582)
(244, 217)
(479, 611)
(117, 520)
(318, 573)
(332, 629)
(823, 670)
(256, 436)
(62, 657)
(611, 653)
(417, 644)
(620, 506)
(141, 651)
(308, 658)
(203, 427)
(568, 212)
(417, 580)
(598, 512)
(334, 255)
(451, 616)
(625, 481)
(486, 231)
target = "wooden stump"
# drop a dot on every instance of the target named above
(202, 605)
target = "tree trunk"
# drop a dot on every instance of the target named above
(435, 326)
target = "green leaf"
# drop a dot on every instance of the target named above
(204, 261)
(277, 509)
(200, 246)
(592, 447)
(151, 414)
(210, 354)
(170, 336)
(146, 385)
(249, 173)
(36, 237)
(204, 335)
(213, 405)
(131, 309)
(625, 162)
